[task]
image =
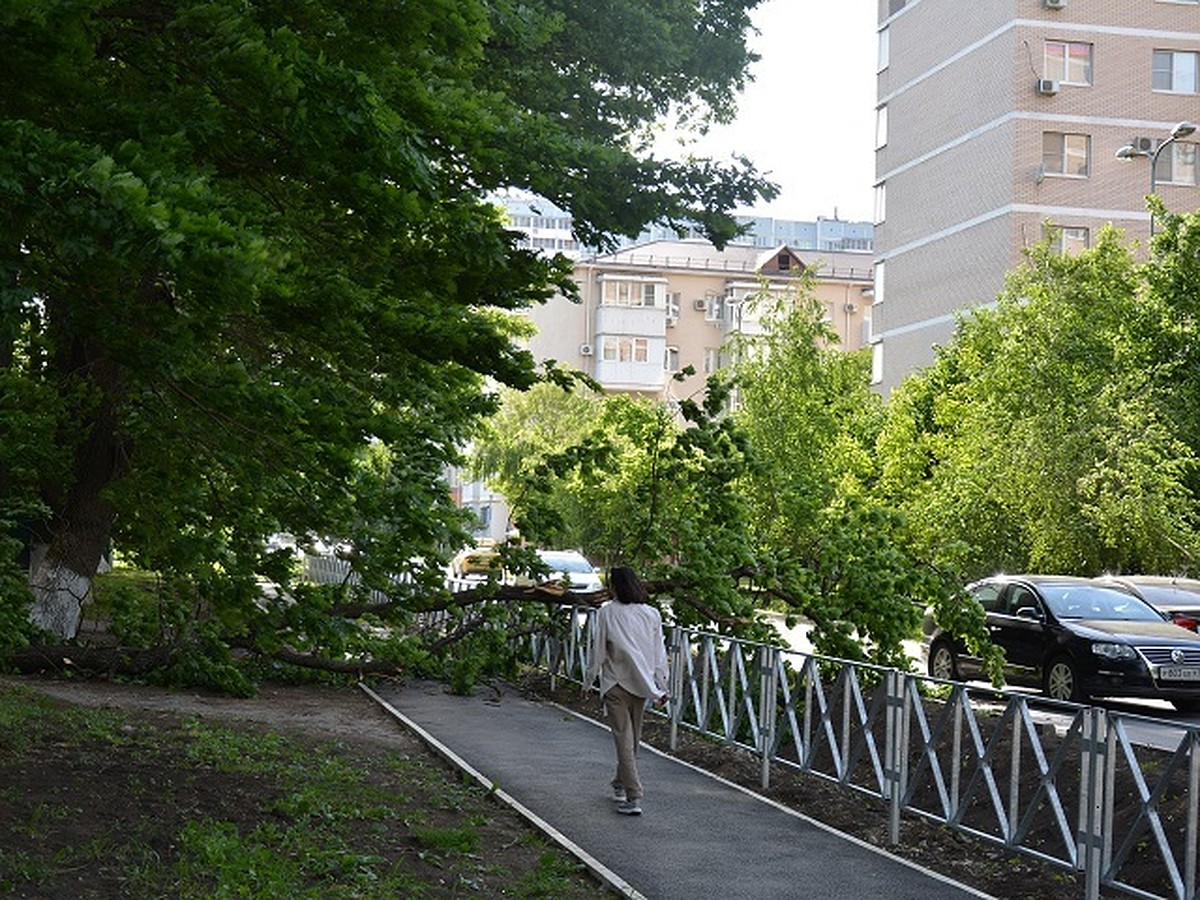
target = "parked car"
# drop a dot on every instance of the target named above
(1077, 638)
(476, 562)
(569, 567)
(1177, 597)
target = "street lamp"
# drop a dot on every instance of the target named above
(1129, 151)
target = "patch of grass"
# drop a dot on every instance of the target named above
(448, 840)
(553, 877)
(100, 805)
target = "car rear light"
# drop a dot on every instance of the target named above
(1185, 622)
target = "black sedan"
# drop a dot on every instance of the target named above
(1077, 638)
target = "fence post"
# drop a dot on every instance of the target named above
(568, 653)
(1193, 813)
(896, 754)
(675, 664)
(767, 692)
(1094, 800)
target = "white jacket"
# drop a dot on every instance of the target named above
(628, 649)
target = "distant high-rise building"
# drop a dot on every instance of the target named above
(999, 122)
(835, 235)
(548, 228)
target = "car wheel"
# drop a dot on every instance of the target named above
(1062, 681)
(942, 663)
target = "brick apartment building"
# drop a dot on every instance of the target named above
(996, 118)
(649, 311)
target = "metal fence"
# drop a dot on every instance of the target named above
(1064, 783)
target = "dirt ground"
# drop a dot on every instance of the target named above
(348, 716)
(318, 711)
(82, 816)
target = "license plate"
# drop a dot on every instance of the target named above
(1179, 673)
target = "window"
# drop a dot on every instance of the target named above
(1174, 71)
(1069, 62)
(671, 359)
(629, 293)
(1066, 154)
(625, 349)
(881, 127)
(714, 307)
(712, 359)
(1020, 597)
(1176, 165)
(880, 203)
(673, 301)
(483, 516)
(1070, 239)
(988, 596)
(880, 270)
(884, 50)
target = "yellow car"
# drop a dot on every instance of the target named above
(477, 561)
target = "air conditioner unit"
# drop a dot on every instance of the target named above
(699, 303)
(1047, 86)
(585, 350)
(1055, 4)
(1145, 144)
(671, 320)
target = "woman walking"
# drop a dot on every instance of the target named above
(629, 655)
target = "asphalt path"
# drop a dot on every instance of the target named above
(699, 836)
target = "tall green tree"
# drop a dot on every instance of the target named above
(249, 278)
(1047, 435)
(628, 482)
(827, 547)
(761, 493)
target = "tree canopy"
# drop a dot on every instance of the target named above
(759, 495)
(250, 281)
(1053, 433)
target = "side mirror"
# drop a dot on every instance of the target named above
(1029, 612)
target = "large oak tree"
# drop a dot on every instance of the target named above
(249, 278)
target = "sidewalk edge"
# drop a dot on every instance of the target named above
(597, 868)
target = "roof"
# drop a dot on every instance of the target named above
(702, 255)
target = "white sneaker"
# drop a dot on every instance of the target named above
(629, 808)
(619, 793)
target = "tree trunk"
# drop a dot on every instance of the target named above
(61, 571)
(58, 595)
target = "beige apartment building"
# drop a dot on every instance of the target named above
(649, 311)
(998, 118)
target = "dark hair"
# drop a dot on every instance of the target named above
(625, 585)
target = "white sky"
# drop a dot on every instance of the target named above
(807, 121)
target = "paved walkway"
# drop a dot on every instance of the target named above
(699, 836)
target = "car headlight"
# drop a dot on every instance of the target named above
(1114, 651)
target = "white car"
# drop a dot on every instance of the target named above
(572, 569)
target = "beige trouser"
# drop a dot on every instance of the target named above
(624, 711)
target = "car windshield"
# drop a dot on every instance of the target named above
(1075, 601)
(1168, 595)
(566, 562)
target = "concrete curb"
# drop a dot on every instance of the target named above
(597, 868)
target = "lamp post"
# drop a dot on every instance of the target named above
(1129, 151)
